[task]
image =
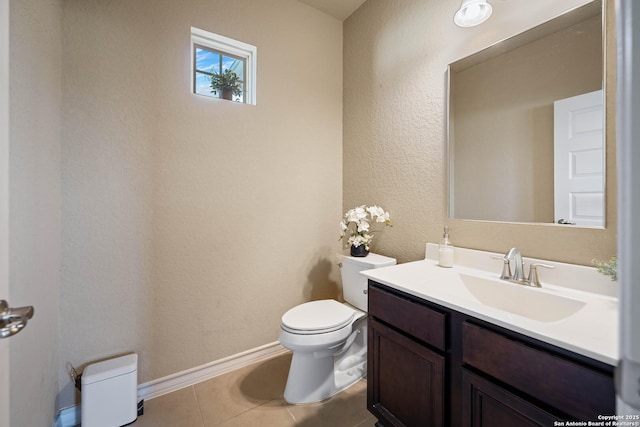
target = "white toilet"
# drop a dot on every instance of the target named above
(328, 338)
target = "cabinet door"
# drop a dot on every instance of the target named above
(405, 384)
(485, 404)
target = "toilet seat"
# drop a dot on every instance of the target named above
(317, 317)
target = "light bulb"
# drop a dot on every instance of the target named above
(472, 11)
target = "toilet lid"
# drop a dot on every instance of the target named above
(317, 317)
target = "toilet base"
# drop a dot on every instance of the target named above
(310, 379)
(316, 376)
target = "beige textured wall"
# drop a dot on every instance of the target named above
(190, 225)
(395, 57)
(503, 127)
(34, 205)
(4, 203)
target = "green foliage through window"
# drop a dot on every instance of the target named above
(218, 74)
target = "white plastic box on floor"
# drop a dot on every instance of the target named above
(110, 392)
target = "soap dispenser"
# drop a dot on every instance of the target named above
(445, 252)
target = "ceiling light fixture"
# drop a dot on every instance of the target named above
(472, 13)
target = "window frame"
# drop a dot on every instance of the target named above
(228, 47)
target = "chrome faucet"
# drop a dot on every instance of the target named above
(515, 258)
(513, 269)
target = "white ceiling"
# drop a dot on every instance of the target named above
(340, 9)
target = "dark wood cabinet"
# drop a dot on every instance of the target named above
(485, 404)
(406, 385)
(430, 366)
(577, 390)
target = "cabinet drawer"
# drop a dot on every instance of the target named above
(574, 389)
(410, 317)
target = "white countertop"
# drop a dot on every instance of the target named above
(592, 331)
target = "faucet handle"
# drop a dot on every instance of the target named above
(533, 279)
(506, 268)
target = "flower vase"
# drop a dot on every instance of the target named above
(359, 251)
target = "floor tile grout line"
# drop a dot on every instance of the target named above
(258, 406)
(288, 408)
(195, 395)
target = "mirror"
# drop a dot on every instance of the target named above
(526, 126)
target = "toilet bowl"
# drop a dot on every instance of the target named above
(329, 338)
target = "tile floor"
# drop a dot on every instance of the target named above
(252, 396)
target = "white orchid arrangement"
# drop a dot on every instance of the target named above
(356, 224)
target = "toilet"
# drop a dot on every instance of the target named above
(328, 338)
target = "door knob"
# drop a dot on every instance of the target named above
(13, 320)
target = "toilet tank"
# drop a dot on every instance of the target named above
(354, 285)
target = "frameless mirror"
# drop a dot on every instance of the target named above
(526, 127)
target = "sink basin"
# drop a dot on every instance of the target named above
(518, 299)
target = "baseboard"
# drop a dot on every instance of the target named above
(69, 417)
(210, 370)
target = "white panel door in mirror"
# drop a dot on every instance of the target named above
(579, 160)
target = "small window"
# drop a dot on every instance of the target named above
(222, 67)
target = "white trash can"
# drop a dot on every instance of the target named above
(110, 392)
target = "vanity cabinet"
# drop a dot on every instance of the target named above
(432, 366)
(406, 366)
